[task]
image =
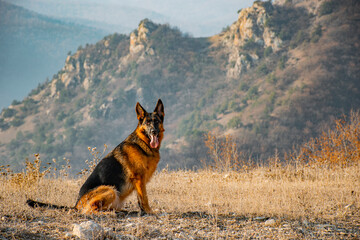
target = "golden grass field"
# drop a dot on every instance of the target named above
(305, 203)
(315, 194)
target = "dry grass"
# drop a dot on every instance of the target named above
(274, 192)
(303, 198)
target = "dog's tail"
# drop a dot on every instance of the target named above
(36, 204)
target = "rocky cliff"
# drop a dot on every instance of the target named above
(140, 37)
(249, 31)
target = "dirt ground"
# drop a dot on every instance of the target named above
(55, 224)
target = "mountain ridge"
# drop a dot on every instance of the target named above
(273, 99)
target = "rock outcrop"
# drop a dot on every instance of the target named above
(249, 32)
(139, 38)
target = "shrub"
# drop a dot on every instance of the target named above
(17, 122)
(65, 96)
(300, 37)
(70, 121)
(282, 62)
(243, 87)
(327, 7)
(91, 164)
(32, 174)
(59, 85)
(262, 69)
(9, 112)
(224, 153)
(253, 91)
(271, 78)
(15, 102)
(80, 103)
(30, 106)
(3, 125)
(235, 122)
(61, 116)
(234, 106)
(250, 44)
(227, 28)
(287, 20)
(268, 51)
(336, 147)
(316, 34)
(252, 94)
(224, 106)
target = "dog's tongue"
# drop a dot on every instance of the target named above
(154, 141)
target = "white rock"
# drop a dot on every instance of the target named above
(88, 230)
(108, 233)
(349, 206)
(260, 219)
(270, 222)
(68, 235)
(129, 225)
(305, 222)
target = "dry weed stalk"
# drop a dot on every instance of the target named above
(224, 154)
(96, 158)
(35, 171)
(32, 174)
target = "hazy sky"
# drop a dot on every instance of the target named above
(199, 18)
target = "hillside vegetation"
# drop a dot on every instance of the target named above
(274, 78)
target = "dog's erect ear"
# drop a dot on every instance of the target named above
(159, 109)
(140, 111)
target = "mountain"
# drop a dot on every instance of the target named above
(111, 16)
(33, 47)
(272, 79)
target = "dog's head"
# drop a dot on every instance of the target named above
(151, 124)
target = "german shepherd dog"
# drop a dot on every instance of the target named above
(126, 168)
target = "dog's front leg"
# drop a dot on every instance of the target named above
(143, 201)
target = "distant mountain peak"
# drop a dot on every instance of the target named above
(251, 26)
(249, 31)
(139, 38)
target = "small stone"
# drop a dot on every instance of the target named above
(349, 207)
(270, 222)
(108, 232)
(88, 230)
(68, 235)
(305, 222)
(129, 225)
(323, 226)
(260, 219)
(163, 214)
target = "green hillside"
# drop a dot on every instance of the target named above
(272, 79)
